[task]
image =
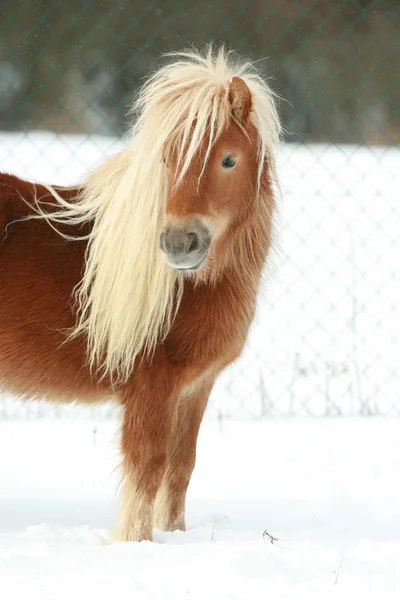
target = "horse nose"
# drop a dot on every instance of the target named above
(179, 242)
(185, 248)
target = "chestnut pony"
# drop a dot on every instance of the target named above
(140, 285)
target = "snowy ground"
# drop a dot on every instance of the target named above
(325, 343)
(328, 490)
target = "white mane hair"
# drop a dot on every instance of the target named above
(128, 295)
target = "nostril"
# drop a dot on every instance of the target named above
(193, 243)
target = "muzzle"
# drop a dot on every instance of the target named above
(186, 248)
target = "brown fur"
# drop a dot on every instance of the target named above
(164, 400)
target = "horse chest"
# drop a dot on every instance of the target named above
(211, 327)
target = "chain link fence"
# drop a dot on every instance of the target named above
(326, 338)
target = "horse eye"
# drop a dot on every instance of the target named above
(228, 162)
(165, 162)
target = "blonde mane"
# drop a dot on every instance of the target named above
(128, 294)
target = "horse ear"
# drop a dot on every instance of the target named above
(240, 100)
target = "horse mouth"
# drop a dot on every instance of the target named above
(194, 267)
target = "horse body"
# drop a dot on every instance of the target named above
(215, 234)
(39, 270)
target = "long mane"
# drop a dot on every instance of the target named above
(128, 294)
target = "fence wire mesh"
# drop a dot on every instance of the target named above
(326, 339)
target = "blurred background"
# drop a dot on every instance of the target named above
(326, 338)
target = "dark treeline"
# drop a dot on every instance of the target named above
(73, 65)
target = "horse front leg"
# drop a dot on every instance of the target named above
(146, 432)
(169, 512)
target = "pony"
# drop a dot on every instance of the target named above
(140, 284)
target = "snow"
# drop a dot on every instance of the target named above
(327, 489)
(325, 343)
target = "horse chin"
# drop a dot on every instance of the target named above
(188, 269)
(193, 268)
